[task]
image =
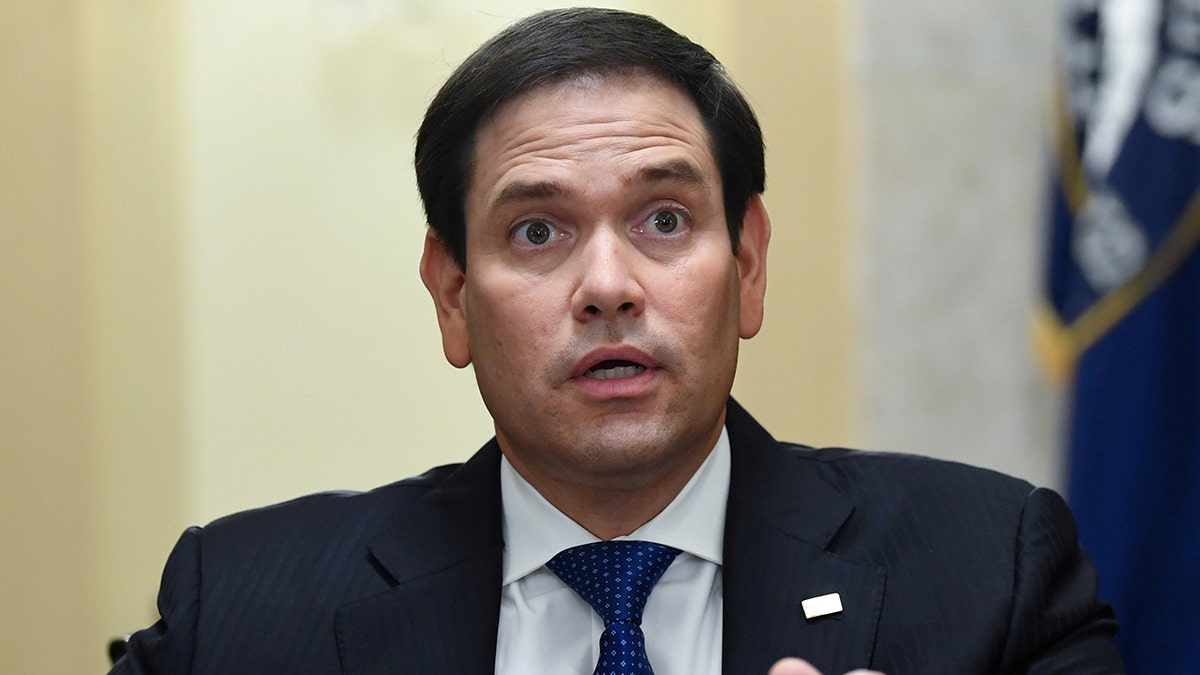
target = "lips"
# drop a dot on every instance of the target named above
(611, 370)
(613, 363)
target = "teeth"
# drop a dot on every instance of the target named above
(613, 373)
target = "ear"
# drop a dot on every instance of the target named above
(446, 283)
(752, 266)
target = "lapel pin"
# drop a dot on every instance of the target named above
(822, 605)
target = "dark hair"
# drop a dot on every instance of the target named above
(557, 45)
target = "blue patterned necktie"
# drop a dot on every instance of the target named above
(616, 577)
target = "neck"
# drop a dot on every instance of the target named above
(613, 505)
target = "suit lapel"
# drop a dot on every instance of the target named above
(445, 560)
(780, 520)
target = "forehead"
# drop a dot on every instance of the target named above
(626, 124)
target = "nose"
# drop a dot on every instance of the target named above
(609, 286)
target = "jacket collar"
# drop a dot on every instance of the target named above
(442, 613)
(782, 516)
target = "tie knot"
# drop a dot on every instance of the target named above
(614, 577)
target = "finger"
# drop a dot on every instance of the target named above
(790, 666)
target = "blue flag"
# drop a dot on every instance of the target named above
(1123, 319)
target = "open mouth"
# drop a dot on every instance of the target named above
(611, 370)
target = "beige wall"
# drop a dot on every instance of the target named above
(46, 491)
(90, 345)
(208, 269)
(799, 375)
(131, 128)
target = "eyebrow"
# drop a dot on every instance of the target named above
(523, 192)
(677, 171)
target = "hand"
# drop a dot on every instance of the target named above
(792, 666)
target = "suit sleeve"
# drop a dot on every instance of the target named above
(168, 645)
(1058, 624)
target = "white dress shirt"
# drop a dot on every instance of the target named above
(545, 627)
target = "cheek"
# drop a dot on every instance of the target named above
(505, 324)
(705, 305)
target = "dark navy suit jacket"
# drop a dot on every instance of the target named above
(941, 568)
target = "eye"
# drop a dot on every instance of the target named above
(666, 221)
(535, 233)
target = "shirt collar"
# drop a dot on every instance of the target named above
(694, 522)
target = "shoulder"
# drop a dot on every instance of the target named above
(868, 480)
(899, 476)
(936, 511)
(242, 588)
(318, 518)
(998, 554)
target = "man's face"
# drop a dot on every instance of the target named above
(602, 303)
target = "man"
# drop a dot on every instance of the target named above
(596, 252)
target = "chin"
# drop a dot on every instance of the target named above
(636, 448)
